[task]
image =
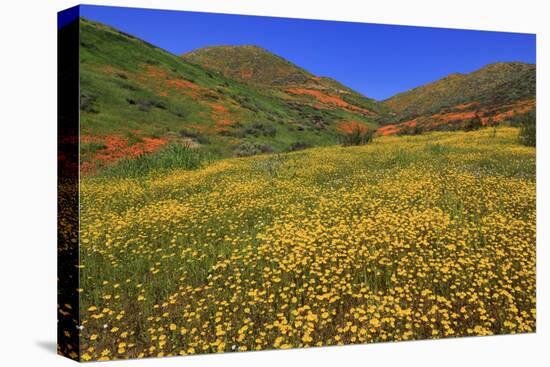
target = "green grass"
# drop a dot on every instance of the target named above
(528, 128)
(174, 156)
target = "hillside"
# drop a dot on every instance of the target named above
(228, 101)
(493, 93)
(259, 67)
(137, 98)
(250, 64)
(429, 236)
(496, 91)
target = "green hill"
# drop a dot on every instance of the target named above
(259, 67)
(228, 101)
(498, 83)
(250, 64)
(137, 98)
(493, 94)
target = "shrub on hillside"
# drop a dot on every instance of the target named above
(145, 105)
(129, 87)
(514, 121)
(122, 75)
(491, 122)
(179, 113)
(247, 149)
(451, 126)
(354, 133)
(88, 102)
(298, 145)
(410, 130)
(199, 138)
(260, 128)
(472, 124)
(528, 128)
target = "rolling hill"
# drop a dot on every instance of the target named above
(493, 93)
(225, 101)
(249, 64)
(137, 98)
(259, 67)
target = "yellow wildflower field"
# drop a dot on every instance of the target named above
(406, 238)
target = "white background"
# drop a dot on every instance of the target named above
(28, 181)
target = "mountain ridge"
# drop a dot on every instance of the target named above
(256, 65)
(247, 63)
(456, 88)
(136, 98)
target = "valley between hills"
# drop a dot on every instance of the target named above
(227, 101)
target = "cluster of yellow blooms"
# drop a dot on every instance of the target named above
(406, 238)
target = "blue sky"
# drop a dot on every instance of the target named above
(376, 60)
